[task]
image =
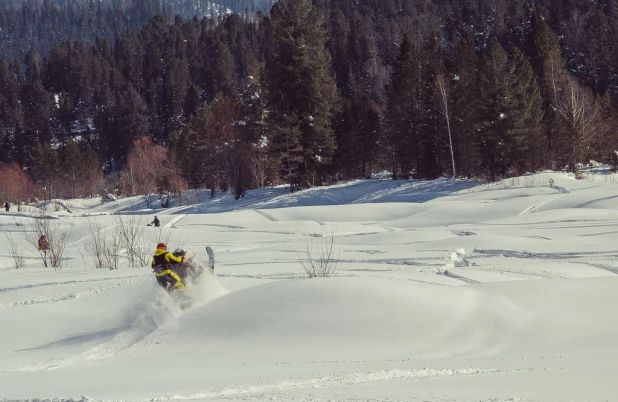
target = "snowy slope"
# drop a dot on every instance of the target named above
(445, 291)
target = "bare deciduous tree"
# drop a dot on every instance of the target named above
(131, 236)
(94, 243)
(168, 237)
(101, 245)
(442, 86)
(144, 167)
(106, 248)
(177, 183)
(259, 163)
(580, 113)
(15, 184)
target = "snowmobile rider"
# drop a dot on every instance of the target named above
(162, 265)
(155, 222)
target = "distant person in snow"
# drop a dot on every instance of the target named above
(43, 247)
(7, 206)
(155, 221)
(43, 244)
(161, 264)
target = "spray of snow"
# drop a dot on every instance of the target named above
(457, 259)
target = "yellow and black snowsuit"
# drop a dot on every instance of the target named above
(161, 264)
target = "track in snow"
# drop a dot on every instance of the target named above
(63, 283)
(267, 216)
(68, 295)
(271, 391)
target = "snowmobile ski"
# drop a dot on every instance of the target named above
(211, 258)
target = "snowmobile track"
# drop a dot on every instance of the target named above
(68, 296)
(588, 203)
(459, 277)
(64, 283)
(267, 216)
(272, 390)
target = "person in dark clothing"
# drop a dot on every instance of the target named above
(162, 265)
(7, 206)
(155, 221)
(43, 244)
(43, 247)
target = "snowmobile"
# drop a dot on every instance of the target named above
(190, 271)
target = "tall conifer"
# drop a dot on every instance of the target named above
(301, 90)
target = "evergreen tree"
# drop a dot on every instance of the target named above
(92, 174)
(526, 116)
(223, 76)
(177, 83)
(36, 103)
(47, 169)
(403, 122)
(493, 108)
(433, 140)
(544, 50)
(301, 90)
(11, 118)
(191, 146)
(463, 69)
(72, 169)
(358, 136)
(254, 113)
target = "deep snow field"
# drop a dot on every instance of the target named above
(445, 291)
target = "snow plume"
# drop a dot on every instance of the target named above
(457, 259)
(150, 309)
(154, 308)
(206, 289)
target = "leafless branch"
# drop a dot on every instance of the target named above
(442, 86)
(57, 237)
(318, 258)
(16, 252)
(131, 236)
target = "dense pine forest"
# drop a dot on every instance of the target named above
(309, 93)
(42, 24)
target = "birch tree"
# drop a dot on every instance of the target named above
(578, 109)
(442, 85)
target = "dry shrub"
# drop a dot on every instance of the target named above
(319, 258)
(57, 237)
(16, 252)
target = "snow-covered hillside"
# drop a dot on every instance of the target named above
(445, 291)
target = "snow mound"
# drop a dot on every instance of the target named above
(396, 318)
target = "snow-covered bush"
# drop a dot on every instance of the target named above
(383, 175)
